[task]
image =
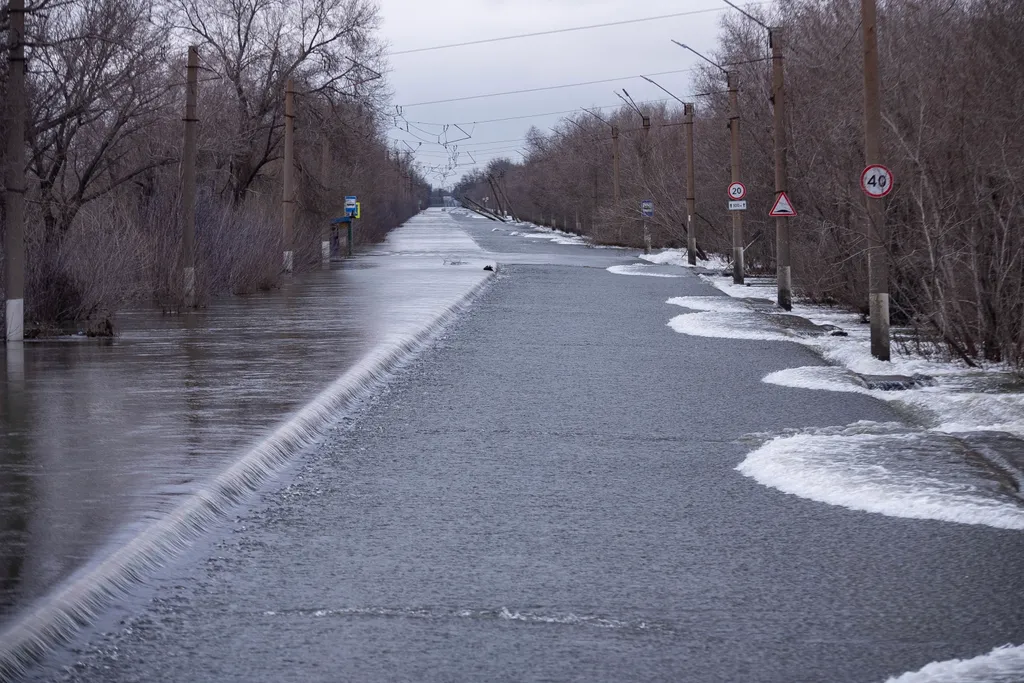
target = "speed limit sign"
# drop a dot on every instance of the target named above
(737, 191)
(876, 181)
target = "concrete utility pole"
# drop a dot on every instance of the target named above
(691, 190)
(188, 178)
(14, 241)
(877, 234)
(289, 177)
(737, 216)
(784, 273)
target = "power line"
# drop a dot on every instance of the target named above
(563, 30)
(548, 87)
(533, 116)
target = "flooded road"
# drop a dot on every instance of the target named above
(100, 440)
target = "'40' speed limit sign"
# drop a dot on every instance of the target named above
(876, 181)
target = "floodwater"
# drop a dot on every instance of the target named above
(99, 441)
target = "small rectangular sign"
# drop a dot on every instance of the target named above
(738, 206)
(647, 208)
(350, 202)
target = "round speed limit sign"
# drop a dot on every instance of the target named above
(876, 181)
(737, 191)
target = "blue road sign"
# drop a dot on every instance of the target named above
(647, 208)
(351, 205)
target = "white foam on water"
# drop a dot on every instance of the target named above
(884, 468)
(638, 269)
(1004, 664)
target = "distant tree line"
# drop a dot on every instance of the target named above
(953, 83)
(106, 92)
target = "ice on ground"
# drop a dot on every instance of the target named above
(721, 304)
(724, 326)
(1004, 664)
(638, 269)
(722, 317)
(553, 235)
(886, 468)
(678, 257)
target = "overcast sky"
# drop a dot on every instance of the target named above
(600, 53)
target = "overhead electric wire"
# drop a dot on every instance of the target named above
(563, 30)
(548, 87)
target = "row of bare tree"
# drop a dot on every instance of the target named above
(106, 94)
(953, 81)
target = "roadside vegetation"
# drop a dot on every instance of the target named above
(106, 95)
(952, 86)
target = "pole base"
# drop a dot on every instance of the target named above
(15, 312)
(785, 278)
(325, 252)
(289, 261)
(190, 287)
(737, 265)
(691, 251)
(878, 309)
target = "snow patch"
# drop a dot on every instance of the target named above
(1002, 665)
(724, 326)
(637, 269)
(678, 257)
(884, 468)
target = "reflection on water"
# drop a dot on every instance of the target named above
(99, 440)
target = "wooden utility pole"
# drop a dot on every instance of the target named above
(877, 234)
(326, 229)
(615, 179)
(14, 240)
(691, 193)
(289, 177)
(188, 178)
(783, 271)
(737, 216)
(645, 149)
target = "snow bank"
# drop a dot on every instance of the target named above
(678, 257)
(638, 269)
(962, 398)
(884, 468)
(1002, 665)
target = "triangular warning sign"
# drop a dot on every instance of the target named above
(783, 207)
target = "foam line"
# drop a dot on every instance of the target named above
(77, 601)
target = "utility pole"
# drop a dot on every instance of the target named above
(691, 191)
(14, 241)
(784, 273)
(737, 216)
(877, 234)
(615, 179)
(289, 176)
(325, 230)
(188, 178)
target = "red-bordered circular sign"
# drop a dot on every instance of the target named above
(737, 191)
(876, 181)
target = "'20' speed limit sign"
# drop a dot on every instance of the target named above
(737, 191)
(876, 181)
